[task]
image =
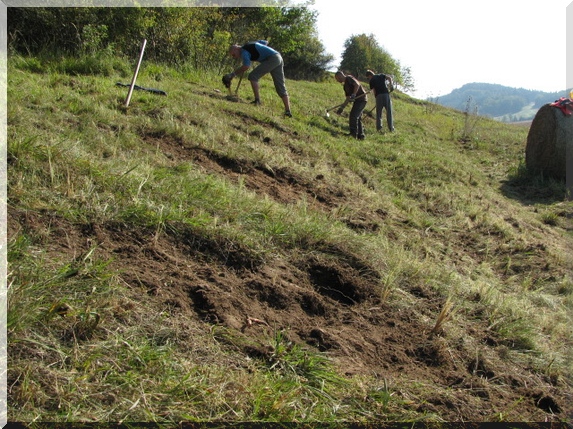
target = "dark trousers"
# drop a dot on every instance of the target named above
(383, 102)
(355, 119)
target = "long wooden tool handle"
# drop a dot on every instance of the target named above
(239, 84)
(127, 100)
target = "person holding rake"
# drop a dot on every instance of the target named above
(356, 95)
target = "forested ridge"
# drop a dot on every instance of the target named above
(498, 101)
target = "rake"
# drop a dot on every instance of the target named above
(327, 114)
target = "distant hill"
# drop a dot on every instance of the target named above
(497, 101)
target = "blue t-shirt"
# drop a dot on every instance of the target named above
(261, 48)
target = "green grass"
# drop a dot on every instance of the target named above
(437, 204)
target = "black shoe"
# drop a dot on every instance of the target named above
(354, 136)
(288, 114)
(256, 102)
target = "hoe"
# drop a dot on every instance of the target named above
(327, 114)
(235, 96)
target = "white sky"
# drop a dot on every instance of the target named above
(448, 43)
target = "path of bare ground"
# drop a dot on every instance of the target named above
(324, 299)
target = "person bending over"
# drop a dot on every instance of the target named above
(270, 61)
(356, 95)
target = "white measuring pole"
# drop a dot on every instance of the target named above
(127, 100)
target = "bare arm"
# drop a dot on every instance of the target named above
(241, 70)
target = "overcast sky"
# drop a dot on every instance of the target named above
(448, 43)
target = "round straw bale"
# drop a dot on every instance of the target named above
(550, 138)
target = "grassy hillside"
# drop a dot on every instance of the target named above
(195, 258)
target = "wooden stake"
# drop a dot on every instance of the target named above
(127, 100)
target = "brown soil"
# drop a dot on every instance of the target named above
(325, 299)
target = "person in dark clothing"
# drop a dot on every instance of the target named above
(270, 61)
(356, 95)
(379, 85)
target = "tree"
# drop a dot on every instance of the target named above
(197, 36)
(362, 52)
(296, 38)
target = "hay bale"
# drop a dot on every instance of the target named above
(549, 140)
